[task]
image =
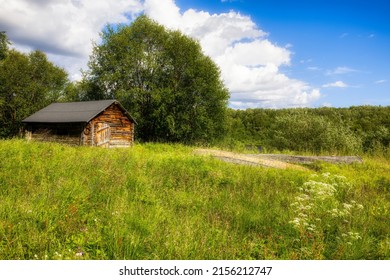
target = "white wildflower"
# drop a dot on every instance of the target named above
(311, 228)
(334, 213)
(340, 177)
(347, 206)
(354, 235)
(302, 215)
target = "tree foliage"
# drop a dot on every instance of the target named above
(4, 43)
(28, 82)
(309, 132)
(162, 77)
(328, 130)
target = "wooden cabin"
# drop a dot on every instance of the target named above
(102, 123)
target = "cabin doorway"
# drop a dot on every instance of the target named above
(103, 134)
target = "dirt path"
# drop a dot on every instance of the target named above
(248, 159)
(275, 160)
(310, 159)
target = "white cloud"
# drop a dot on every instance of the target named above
(302, 61)
(64, 29)
(216, 32)
(256, 53)
(338, 84)
(380, 81)
(341, 70)
(249, 61)
(344, 35)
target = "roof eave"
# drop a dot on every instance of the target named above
(125, 111)
(27, 122)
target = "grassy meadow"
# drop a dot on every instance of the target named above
(160, 201)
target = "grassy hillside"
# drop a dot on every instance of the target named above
(157, 201)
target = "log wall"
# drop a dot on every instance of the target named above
(121, 128)
(60, 133)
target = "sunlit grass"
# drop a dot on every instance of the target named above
(158, 201)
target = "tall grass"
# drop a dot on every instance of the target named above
(156, 201)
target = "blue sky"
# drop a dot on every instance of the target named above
(272, 54)
(339, 46)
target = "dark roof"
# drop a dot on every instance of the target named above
(72, 112)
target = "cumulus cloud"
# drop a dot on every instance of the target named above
(64, 29)
(250, 63)
(338, 84)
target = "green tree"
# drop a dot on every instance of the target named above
(28, 82)
(319, 130)
(162, 77)
(4, 43)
